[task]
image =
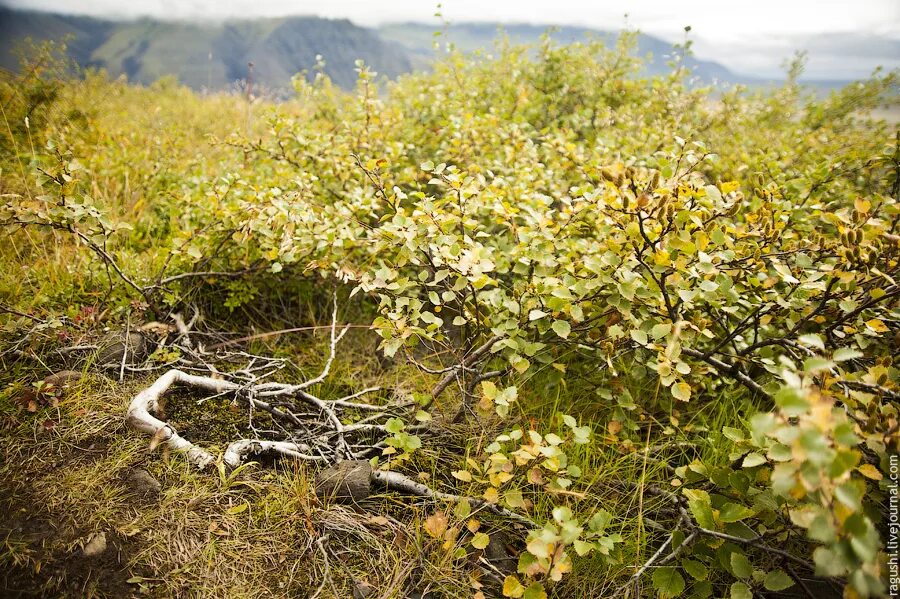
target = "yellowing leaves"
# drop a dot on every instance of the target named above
(870, 472)
(681, 391)
(877, 326)
(729, 186)
(661, 258)
(436, 524)
(512, 587)
(463, 475)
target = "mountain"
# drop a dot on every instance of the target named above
(468, 37)
(214, 54)
(209, 54)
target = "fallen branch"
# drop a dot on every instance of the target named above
(140, 414)
(320, 436)
(238, 451)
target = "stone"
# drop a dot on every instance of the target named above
(349, 481)
(63, 379)
(499, 553)
(96, 546)
(141, 483)
(114, 350)
(362, 590)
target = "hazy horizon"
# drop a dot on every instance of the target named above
(843, 40)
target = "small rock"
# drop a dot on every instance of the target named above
(142, 483)
(63, 379)
(348, 481)
(116, 347)
(95, 546)
(499, 552)
(362, 590)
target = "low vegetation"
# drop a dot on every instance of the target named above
(596, 334)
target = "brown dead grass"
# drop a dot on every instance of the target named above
(261, 533)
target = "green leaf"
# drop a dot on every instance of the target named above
(752, 460)
(740, 565)
(535, 591)
(536, 314)
(696, 569)
(733, 512)
(582, 548)
(701, 508)
(850, 495)
(561, 328)
(668, 582)
(791, 401)
(739, 590)
(393, 425)
(462, 510)
(661, 330)
(816, 364)
(480, 540)
(599, 521)
(829, 562)
(681, 391)
(812, 340)
(732, 433)
(777, 580)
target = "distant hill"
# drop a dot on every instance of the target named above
(209, 54)
(468, 37)
(214, 54)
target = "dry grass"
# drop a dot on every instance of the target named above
(259, 533)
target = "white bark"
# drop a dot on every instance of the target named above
(140, 414)
(237, 452)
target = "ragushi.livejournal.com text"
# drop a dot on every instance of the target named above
(893, 536)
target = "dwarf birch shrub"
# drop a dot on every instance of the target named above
(553, 208)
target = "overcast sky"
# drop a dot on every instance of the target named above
(745, 34)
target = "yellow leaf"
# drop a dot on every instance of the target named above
(701, 240)
(480, 540)
(540, 548)
(491, 495)
(512, 587)
(463, 475)
(436, 524)
(877, 326)
(681, 391)
(870, 471)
